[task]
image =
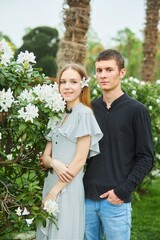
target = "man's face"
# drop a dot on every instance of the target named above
(108, 75)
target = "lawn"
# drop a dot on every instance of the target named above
(146, 214)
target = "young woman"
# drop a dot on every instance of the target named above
(74, 139)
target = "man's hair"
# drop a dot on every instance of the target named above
(111, 54)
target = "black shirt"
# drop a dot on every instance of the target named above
(126, 149)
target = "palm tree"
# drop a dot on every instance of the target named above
(76, 18)
(150, 40)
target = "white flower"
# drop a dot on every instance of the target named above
(158, 81)
(9, 157)
(158, 100)
(6, 99)
(84, 82)
(42, 92)
(5, 52)
(26, 95)
(28, 113)
(142, 82)
(51, 207)
(134, 80)
(52, 122)
(155, 172)
(150, 107)
(134, 92)
(29, 221)
(0, 135)
(156, 139)
(158, 156)
(94, 92)
(125, 80)
(26, 57)
(50, 96)
(25, 211)
(18, 211)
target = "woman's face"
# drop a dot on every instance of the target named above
(70, 86)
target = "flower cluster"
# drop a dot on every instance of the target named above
(5, 53)
(50, 206)
(40, 97)
(6, 100)
(22, 212)
(29, 102)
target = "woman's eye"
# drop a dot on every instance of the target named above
(62, 81)
(74, 81)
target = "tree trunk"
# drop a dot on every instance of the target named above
(150, 40)
(72, 47)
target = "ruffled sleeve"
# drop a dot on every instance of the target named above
(48, 136)
(84, 124)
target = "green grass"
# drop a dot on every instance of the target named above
(146, 214)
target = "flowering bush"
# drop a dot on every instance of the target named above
(30, 105)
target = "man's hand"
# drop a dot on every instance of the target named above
(111, 197)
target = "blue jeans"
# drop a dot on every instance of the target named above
(106, 219)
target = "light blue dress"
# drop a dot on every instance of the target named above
(71, 216)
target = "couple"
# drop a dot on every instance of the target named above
(117, 160)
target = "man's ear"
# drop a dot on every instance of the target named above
(122, 73)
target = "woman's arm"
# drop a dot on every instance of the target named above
(75, 166)
(61, 169)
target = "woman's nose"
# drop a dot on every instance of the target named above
(67, 85)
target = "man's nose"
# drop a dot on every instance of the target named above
(103, 73)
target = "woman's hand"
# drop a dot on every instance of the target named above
(49, 196)
(62, 170)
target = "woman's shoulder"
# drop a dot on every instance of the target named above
(83, 109)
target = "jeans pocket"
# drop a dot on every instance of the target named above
(113, 204)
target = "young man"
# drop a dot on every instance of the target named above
(126, 153)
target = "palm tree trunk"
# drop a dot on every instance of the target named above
(150, 40)
(72, 47)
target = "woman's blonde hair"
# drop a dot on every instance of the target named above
(85, 94)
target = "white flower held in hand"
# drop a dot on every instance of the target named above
(51, 207)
